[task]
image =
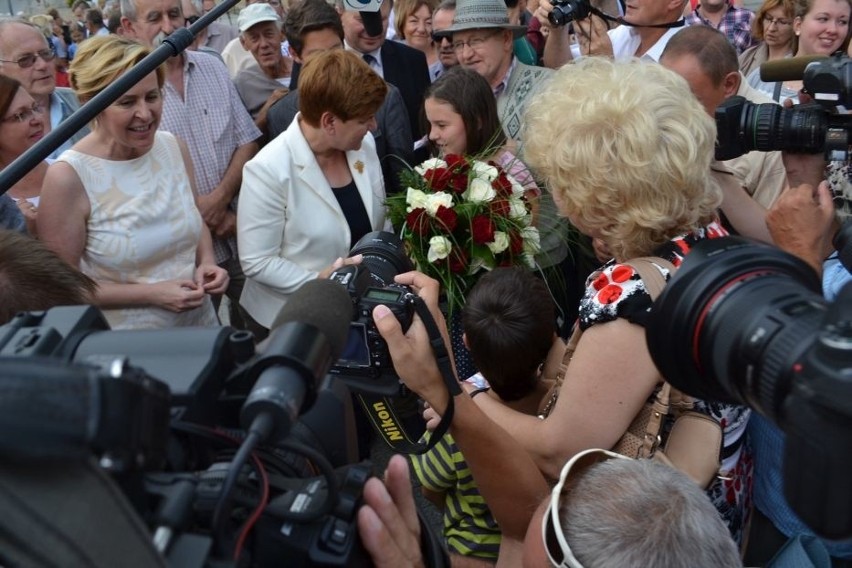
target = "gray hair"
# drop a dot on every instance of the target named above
(644, 513)
(6, 22)
(128, 9)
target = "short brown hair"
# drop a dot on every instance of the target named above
(339, 82)
(757, 24)
(711, 48)
(310, 16)
(8, 89)
(405, 8)
(32, 277)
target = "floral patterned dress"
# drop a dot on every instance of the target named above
(617, 291)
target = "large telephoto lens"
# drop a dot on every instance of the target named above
(384, 256)
(743, 126)
(772, 127)
(733, 322)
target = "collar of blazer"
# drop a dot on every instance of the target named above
(362, 166)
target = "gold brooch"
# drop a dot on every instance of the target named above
(359, 165)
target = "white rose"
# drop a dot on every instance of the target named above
(439, 247)
(517, 208)
(415, 199)
(435, 200)
(500, 242)
(532, 241)
(528, 259)
(430, 164)
(486, 171)
(517, 189)
(476, 265)
(480, 191)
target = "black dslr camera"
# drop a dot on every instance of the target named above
(365, 364)
(565, 11)
(746, 323)
(743, 126)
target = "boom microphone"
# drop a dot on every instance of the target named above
(787, 69)
(307, 338)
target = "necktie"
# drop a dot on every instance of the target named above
(369, 59)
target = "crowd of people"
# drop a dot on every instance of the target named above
(252, 163)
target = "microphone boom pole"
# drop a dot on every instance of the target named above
(173, 45)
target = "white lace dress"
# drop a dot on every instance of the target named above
(144, 227)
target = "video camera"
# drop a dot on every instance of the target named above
(821, 126)
(746, 323)
(227, 454)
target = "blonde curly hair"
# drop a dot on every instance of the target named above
(625, 148)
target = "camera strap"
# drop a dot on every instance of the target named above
(678, 24)
(380, 409)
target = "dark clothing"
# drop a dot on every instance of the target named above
(406, 69)
(354, 211)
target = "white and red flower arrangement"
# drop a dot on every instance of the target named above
(460, 217)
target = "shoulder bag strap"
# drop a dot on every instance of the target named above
(667, 396)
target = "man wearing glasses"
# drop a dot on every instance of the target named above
(26, 56)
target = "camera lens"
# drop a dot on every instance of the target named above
(772, 127)
(384, 256)
(730, 325)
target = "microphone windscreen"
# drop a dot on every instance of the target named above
(323, 304)
(787, 69)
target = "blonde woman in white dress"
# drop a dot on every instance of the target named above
(120, 204)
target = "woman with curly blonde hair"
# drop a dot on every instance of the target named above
(626, 151)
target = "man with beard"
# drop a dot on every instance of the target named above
(202, 107)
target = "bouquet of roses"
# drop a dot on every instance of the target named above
(460, 217)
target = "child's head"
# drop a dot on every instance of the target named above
(509, 324)
(461, 114)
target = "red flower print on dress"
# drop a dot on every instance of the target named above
(611, 289)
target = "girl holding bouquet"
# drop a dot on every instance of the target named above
(461, 115)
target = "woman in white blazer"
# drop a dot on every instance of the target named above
(313, 191)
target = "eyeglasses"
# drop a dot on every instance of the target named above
(780, 22)
(25, 115)
(191, 20)
(558, 551)
(28, 60)
(475, 43)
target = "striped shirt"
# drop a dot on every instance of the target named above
(469, 526)
(213, 122)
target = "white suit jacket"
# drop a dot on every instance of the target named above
(289, 223)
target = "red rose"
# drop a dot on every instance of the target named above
(500, 208)
(516, 243)
(447, 217)
(483, 229)
(502, 185)
(459, 183)
(456, 163)
(438, 178)
(418, 221)
(458, 260)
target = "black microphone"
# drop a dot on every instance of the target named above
(308, 337)
(787, 69)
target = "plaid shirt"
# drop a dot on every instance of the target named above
(213, 122)
(735, 24)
